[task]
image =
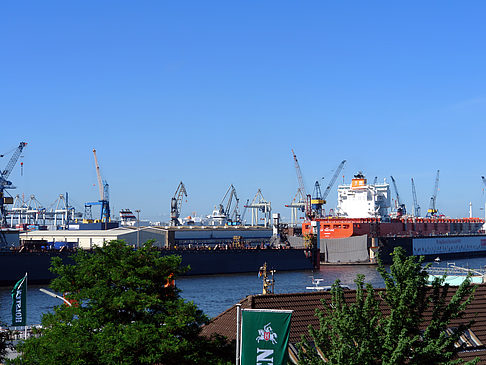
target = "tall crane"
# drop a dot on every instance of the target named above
(317, 201)
(401, 210)
(6, 184)
(416, 207)
(176, 203)
(432, 208)
(333, 180)
(308, 209)
(104, 201)
(232, 215)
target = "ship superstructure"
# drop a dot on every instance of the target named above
(360, 200)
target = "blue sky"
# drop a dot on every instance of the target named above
(216, 93)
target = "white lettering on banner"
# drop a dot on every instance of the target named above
(263, 355)
(18, 306)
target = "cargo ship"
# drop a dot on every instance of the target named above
(364, 229)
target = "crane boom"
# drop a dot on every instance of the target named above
(333, 180)
(13, 160)
(401, 207)
(299, 174)
(433, 200)
(176, 203)
(98, 175)
(416, 207)
(6, 184)
(396, 190)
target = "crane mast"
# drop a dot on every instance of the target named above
(401, 210)
(98, 175)
(416, 207)
(103, 188)
(308, 207)
(299, 174)
(432, 208)
(176, 203)
(6, 184)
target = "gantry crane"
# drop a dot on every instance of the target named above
(176, 204)
(260, 204)
(401, 210)
(104, 201)
(432, 212)
(297, 204)
(416, 207)
(6, 184)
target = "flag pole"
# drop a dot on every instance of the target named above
(238, 330)
(25, 334)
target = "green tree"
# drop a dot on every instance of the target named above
(360, 333)
(4, 342)
(125, 312)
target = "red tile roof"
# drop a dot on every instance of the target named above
(304, 306)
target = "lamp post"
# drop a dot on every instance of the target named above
(138, 227)
(55, 296)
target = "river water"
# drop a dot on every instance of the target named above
(215, 293)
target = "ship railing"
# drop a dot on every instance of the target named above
(453, 270)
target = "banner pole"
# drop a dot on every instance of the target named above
(25, 334)
(238, 330)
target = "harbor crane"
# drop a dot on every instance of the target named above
(333, 180)
(224, 212)
(104, 196)
(307, 207)
(176, 204)
(416, 207)
(401, 210)
(432, 212)
(6, 184)
(317, 201)
(297, 204)
(260, 204)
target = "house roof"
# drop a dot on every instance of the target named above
(304, 306)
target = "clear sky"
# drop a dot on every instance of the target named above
(215, 93)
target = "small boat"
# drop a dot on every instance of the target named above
(455, 275)
(316, 286)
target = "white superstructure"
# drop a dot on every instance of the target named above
(360, 200)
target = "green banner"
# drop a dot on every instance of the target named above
(264, 336)
(19, 302)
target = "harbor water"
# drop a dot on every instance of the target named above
(213, 294)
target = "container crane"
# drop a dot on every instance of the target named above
(416, 207)
(432, 212)
(260, 204)
(298, 204)
(401, 210)
(6, 184)
(176, 204)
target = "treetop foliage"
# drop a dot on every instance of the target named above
(409, 322)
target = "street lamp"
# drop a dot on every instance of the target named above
(55, 296)
(138, 227)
